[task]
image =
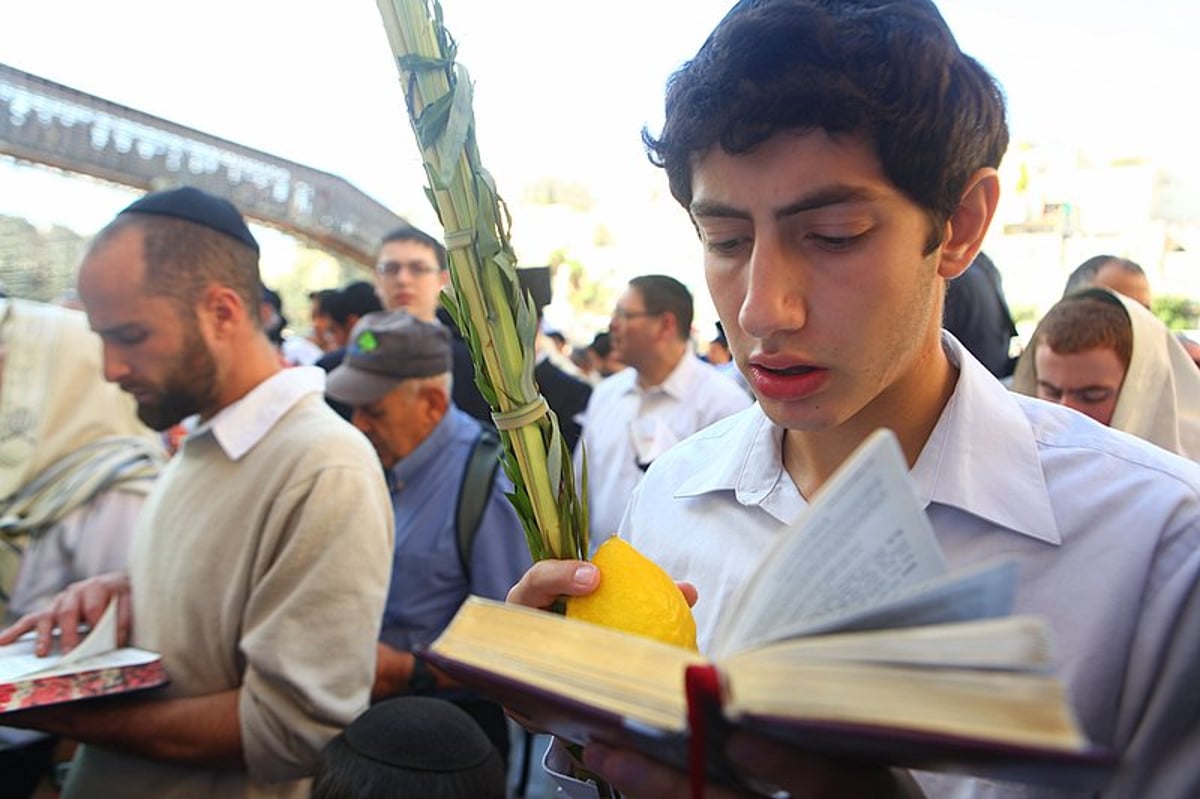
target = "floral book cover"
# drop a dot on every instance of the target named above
(93, 678)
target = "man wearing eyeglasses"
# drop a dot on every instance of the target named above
(665, 395)
(410, 273)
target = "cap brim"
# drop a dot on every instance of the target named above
(357, 387)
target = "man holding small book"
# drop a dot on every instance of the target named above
(260, 564)
(839, 163)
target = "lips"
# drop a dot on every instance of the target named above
(778, 380)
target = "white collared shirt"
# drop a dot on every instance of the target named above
(626, 425)
(240, 425)
(1105, 527)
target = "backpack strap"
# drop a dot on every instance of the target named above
(473, 491)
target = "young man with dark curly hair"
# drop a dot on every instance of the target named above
(838, 159)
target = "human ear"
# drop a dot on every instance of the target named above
(668, 324)
(436, 401)
(969, 223)
(222, 308)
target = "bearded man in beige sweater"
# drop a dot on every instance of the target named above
(261, 562)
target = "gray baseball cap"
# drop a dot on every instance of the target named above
(385, 349)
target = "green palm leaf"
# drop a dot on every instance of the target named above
(497, 320)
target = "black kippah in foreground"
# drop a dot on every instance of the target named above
(419, 733)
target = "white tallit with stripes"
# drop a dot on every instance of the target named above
(66, 435)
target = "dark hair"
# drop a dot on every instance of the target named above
(356, 299)
(1085, 274)
(1087, 320)
(321, 297)
(271, 297)
(601, 344)
(183, 258)
(275, 330)
(663, 294)
(410, 233)
(888, 70)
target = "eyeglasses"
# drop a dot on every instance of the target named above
(624, 315)
(414, 268)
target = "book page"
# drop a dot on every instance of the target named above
(17, 660)
(101, 639)
(984, 592)
(864, 537)
(1012, 643)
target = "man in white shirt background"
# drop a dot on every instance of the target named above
(665, 395)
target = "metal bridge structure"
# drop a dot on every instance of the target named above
(46, 123)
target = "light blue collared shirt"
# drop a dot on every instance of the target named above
(428, 583)
(1105, 529)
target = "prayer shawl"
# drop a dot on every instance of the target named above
(66, 436)
(1160, 396)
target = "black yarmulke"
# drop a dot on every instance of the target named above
(193, 205)
(419, 733)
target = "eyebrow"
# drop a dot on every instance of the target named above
(115, 330)
(823, 197)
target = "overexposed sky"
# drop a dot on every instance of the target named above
(562, 87)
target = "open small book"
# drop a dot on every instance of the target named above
(96, 667)
(851, 639)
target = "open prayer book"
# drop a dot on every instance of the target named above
(96, 667)
(851, 639)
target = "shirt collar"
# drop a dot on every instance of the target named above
(984, 422)
(430, 449)
(981, 428)
(239, 426)
(676, 385)
(750, 465)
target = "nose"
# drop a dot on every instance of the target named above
(115, 367)
(776, 290)
(359, 420)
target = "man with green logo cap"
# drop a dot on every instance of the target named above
(397, 377)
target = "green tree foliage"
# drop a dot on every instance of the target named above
(1177, 312)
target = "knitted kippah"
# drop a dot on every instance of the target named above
(193, 205)
(419, 733)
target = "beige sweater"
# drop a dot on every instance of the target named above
(268, 575)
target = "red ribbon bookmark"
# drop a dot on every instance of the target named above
(702, 684)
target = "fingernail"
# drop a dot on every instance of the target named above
(585, 575)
